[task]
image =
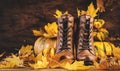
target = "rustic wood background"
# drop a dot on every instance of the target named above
(19, 17)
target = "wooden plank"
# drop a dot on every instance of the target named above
(28, 69)
(33, 70)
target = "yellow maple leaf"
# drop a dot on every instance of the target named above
(47, 28)
(78, 12)
(51, 30)
(41, 60)
(92, 11)
(52, 52)
(98, 23)
(2, 54)
(119, 62)
(104, 30)
(83, 12)
(77, 65)
(43, 63)
(26, 50)
(31, 57)
(46, 51)
(11, 62)
(58, 13)
(38, 57)
(38, 32)
(116, 53)
(6, 65)
(66, 12)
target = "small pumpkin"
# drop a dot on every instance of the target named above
(41, 43)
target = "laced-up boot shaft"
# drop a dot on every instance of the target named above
(65, 35)
(85, 48)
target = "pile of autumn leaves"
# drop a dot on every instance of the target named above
(108, 54)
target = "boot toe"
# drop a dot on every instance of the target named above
(88, 62)
(65, 54)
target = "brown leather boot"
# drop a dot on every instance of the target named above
(85, 48)
(65, 36)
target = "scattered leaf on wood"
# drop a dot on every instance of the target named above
(2, 54)
(77, 65)
(11, 62)
(42, 63)
(116, 52)
(25, 51)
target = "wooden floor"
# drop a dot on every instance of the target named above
(26, 69)
(33, 70)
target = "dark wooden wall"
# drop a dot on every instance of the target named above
(19, 17)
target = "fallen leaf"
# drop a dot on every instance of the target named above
(11, 62)
(14, 60)
(38, 57)
(43, 63)
(25, 51)
(77, 65)
(31, 57)
(2, 54)
(52, 52)
(116, 52)
(38, 32)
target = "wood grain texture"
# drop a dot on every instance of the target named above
(27, 69)
(19, 17)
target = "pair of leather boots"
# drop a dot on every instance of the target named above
(75, 38)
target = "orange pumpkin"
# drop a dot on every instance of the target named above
(43, 42)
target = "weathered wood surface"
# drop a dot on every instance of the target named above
(50, 70)
(33, 70)
(19, 17)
